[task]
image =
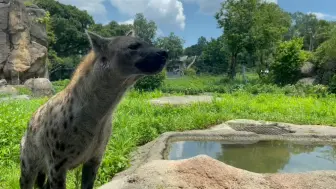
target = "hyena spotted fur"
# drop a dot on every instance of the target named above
(74, 126)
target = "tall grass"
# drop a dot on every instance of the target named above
(137, 122)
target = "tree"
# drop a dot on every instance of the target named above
(69, 24)
(144, 29)
(289, 59)
(313, 30)
(269, 27)
(213, 59)
(196, 50)
(173, 44)
(111, 29)
(235, 17)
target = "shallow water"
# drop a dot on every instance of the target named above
(261, 157)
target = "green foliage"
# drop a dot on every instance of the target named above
(145, 29)
(173, 44)
(213, 59)
(150, 83)
(196, 50)
(111, 29)
(332, 84)
(217, 84)
(190, 72)
(289, 59)
(69, 24)
(28, 3)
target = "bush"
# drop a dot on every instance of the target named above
(150, 83)
(288, 61)
(190, 72)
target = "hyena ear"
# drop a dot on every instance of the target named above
(98, 43)
(131, 33)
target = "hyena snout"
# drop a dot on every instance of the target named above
(154, 62)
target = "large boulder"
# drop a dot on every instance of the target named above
(308, 69)
(40, 87)
(23, 42)
(207, 173)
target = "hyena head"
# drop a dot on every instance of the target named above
(128, 55)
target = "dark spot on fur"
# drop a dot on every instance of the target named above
(62, 147)
(57, 145)
(60, 184)
(47, 134)
(60, 164)
(51, 109)
(55, 135)
(53, 154)
(78, 153)
(75, 129)
(72, 151)
(65, 125)
(71, 117)
(23, 164)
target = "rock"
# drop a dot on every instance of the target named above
(307, 81)
(205, 172)
(15, 97)
(3, 82)
(308, 69)
(23, 43)
(182, 100)
(40, 87)
(8, 90)
(38, 31)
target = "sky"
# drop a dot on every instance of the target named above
(188, 19)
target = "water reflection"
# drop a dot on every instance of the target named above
(261, 157)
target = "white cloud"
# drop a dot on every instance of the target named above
(161, 11)
(212, 6)
(95, 8)
(323, 16)
(129, 21)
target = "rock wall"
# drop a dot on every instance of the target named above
(23, 42)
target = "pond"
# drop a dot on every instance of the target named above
(269, 156)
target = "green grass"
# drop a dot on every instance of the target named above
(137, 122)
(221, 84)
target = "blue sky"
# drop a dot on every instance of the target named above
(188, 19)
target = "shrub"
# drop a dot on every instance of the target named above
(288, 60)
(150, 83)
(190, 72)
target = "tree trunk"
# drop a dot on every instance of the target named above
(244, 75)
(232, 72)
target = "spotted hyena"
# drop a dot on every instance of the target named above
(74, 126)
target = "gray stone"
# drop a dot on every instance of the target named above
(3, 82)
(4, 11)
(4, 1)
(182, 100)
(308, 69)
(15, 97)
(4, 49)
(307, 81)
(38, 30)
(40, 87)
(8, 90)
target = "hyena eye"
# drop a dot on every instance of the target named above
(134, 46)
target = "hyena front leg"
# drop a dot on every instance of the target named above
(28, 174)
(89, 172)
(57, 175)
